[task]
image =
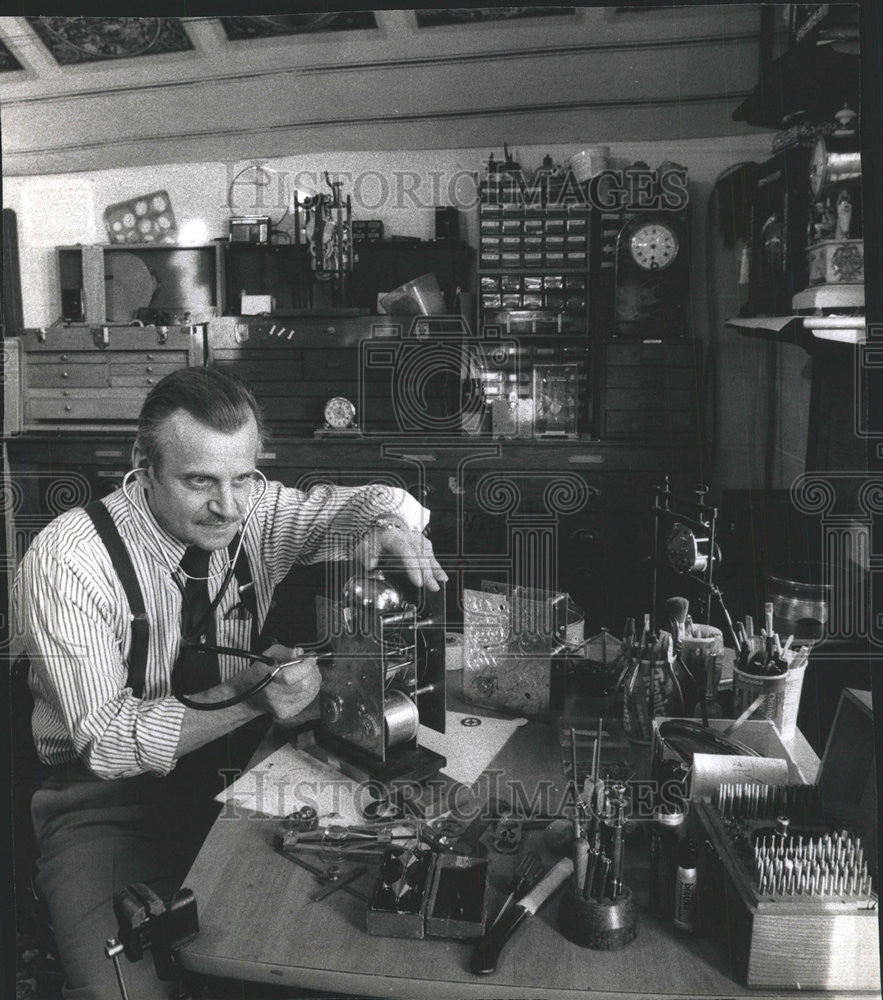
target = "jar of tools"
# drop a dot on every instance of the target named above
(649, 687)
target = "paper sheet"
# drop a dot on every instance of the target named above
(712, 770)
(291, 778)
(469, 749)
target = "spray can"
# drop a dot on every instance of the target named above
(686, 889)
(667, 831)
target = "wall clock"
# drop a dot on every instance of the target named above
(652, 276)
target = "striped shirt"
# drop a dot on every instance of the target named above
(76, 622)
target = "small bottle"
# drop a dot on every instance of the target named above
(667, 831)
(686, 889)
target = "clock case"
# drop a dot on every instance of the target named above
(651, 302)
(780, 206)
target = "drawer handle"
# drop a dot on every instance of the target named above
(64, 357)
(150, 381)
(150, 368)
(330, 329)
(428, 457)
(68, 408)
(65, 374)
(585, 459)
(267, 456)
(150, 357)
(108, 453)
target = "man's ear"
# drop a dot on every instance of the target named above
(139, 458)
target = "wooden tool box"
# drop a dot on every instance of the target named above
(65, 375)
(793, 939)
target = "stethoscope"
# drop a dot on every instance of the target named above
(192, 637)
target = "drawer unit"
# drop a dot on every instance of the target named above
(651, 390)
(86, 375)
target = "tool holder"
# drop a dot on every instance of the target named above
(601, 924)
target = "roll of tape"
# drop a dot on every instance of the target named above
(453, 651)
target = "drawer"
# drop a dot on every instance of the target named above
(158, 368)
(669, 354)
(82, 405)
(67, 357)
(67, 374)
(331, 364)
(656, 398)
(648, 422)
(258, 367)
(650, 377)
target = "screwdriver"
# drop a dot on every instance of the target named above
(527, 872)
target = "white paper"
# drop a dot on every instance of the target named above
(469, 749)
(291, 778)
(710, 770)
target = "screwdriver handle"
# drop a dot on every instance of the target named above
(487, 951)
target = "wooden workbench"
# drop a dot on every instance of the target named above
(258, 925)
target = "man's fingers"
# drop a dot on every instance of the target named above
(299, 672)
(411, 552)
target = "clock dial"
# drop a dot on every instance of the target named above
(339, 412)
(653, 246)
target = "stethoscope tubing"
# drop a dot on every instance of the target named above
(188, 639)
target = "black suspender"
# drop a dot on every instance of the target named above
(122, 564)
(245, 583)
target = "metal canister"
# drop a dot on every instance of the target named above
(667, 832)
(686, 889)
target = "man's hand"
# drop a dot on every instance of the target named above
(292, 691)
(402, 549)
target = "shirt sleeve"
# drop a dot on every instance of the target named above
(80, 670)
(325, 523)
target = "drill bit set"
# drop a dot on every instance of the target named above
(797, 856)
(798, 906)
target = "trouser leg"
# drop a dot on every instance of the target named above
(91, 847)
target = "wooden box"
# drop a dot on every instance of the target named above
(798, 940)
(458, 897)
(383, 920)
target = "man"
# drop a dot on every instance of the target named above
(130, 766)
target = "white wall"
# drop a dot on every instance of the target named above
(62, 209)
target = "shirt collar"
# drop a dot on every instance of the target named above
(139, 523)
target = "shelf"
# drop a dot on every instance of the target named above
(810, 78)
(830, 297)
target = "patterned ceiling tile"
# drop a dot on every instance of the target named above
(7, 60)
(91, 39)
(272, 25)
(430, 18)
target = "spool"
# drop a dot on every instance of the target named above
(453, 651)
(401, 720)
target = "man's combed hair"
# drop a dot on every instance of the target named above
(214, 397)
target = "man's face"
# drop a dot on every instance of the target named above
(199, 491)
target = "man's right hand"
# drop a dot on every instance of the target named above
(293, 690)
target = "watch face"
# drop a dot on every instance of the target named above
(653, 246)
(339, 412)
